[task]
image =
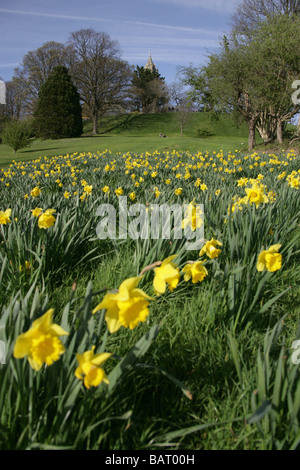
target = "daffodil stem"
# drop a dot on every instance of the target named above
(149, 267)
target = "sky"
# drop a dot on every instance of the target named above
(175, 32)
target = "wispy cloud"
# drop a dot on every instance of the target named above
(54, 15)
(172, 27)
(215, 5)
(111, 20)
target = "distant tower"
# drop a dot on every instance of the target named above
(150, 64)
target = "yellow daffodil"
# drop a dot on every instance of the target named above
(166, 275)
(256, 194)
(195, 271)
(127, 307)
(26, 268)
(178, 191)
(36, 212)
(89, 370)
(35, 192)
(105, 189)
(294, 183)
(5, 217)
(46, 219)
(270, 259)
(193, 217)
(88, 189)
(119, 191)
(210, 249)
(41, 343)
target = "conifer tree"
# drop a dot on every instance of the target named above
(58, 111)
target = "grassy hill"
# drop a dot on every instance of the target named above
(139, 133)
(152, 124)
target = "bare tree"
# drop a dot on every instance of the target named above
(250, 13)
(99, 73)
(183, 106)
(36, 68)
(13, 106)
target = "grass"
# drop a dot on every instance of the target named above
(211, 367)
(138, 134)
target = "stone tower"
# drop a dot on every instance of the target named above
(150, 64)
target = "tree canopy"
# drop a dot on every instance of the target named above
(253, 76)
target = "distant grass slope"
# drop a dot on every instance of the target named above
(152, 124)
(139, 133)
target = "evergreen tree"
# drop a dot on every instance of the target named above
(58, 111)
(148, 90)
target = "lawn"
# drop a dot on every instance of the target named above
(138, 134)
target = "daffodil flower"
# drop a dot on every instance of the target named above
(127, 307)
(46, 219)
(89, 370)
(41, 343)
(35, 192)
(256, 194)
(192, 217)
(5, 217)
(195, 271)
(166, 275)
(270, 259)
(210, 249)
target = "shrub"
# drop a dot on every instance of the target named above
(16, 134)
(204, 130)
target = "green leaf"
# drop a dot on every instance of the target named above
(138, 350)
(261, 411)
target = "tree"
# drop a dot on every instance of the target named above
(253, 76)
(276, 65)
(58, 111)
(16, 134)
(13, 106)
(251, 13)
(100, 75)
(182, 105)
(148, 90)
(36, 68)
(199, 92)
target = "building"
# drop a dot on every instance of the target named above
(150, 64)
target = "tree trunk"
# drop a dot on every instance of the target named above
(251, 138)
(95, 123)
(266, 126)
(279, 131)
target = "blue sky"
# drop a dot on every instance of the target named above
(176, 32)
